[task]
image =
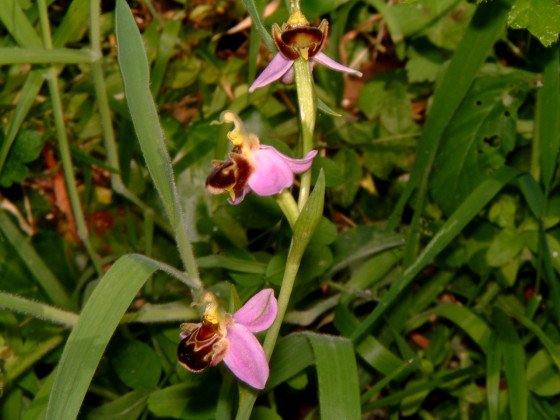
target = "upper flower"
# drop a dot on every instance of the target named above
(222, 336)
(253, 166)
(297, 39)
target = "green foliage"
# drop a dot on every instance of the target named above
(480, 136)
(25, 149)
(540, 17)
(424, 266)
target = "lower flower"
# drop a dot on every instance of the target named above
(222, 336)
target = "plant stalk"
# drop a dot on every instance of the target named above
(63, 143)
(307, 114)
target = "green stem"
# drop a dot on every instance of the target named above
(288, 206)
(38, 310)
(106, 120)
(307, 114)
(303, 231)
(248, 396)
(292, 267)
(64, 145)
(294, 6)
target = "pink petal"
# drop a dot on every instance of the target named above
(246, 358)
(275, 171)
(288, 76)
(259, 312)
(321, 58)
(271, 173)
(297, 166)
(274, 71)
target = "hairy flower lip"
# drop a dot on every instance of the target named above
(230, 338)
(229, 175)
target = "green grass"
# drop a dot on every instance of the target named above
(416, 266)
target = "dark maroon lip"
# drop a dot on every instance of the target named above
(197, 350)
(290, 39)
(232, 174)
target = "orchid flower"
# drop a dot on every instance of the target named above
(298, 39)
(253, 166)
(222, 336)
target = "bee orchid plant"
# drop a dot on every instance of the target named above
(254, 167)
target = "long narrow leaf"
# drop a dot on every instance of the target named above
(486, 26)
(136, 77)
(370, 349)
(422, 386)
(493, 368)
(166, 50)
(31, 88)
(254, 13)
(44, 276)
(18, 25)
(550, 273)
(92, 333)
(43, 55)
(463, 317)
(339, 394)
(543, 337)
(75, 18)
(547, 118)
(514, 362)
(452, 227)
(37, 309)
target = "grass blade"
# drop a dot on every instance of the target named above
(31, 88)
(468, 321)
(136, 78)
(547, 118)
(291, 355)
(533, 194)
(75, 18)
(452, 227)
(37, 309)
(514, 362)
(92, 333)
(45, 278)
(169, 35)
(43, 55)
(63, 143)
(493, 368)
(486, 26)
(427, 385)
(550, 273)
(542, 336)
(18, 25)
(337, 373)
(373, 352)
(254, 13)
